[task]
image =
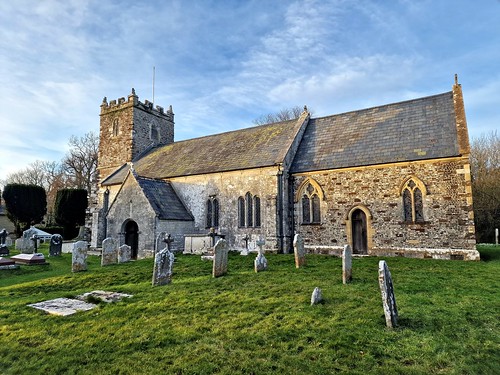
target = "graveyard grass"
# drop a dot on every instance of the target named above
(252, 323)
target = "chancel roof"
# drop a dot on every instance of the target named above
(417, 129)
(164, 200)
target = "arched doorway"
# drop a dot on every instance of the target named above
(132, 237)
(359, 232)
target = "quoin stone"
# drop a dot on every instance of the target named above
(316, 296)
(79, 256)
(221, 250)
(388, 297)
(298, 250)
(124, 253)
(109, 252)
(163, 267)
(55, 247)
(346, 264)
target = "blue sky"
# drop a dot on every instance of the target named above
(222, 64)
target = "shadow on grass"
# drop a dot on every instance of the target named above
(489, 253)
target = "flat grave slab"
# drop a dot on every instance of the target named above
(63, 306)
(107, 297)
(7, 264)
(29, 259)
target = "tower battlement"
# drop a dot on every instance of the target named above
(133, 100)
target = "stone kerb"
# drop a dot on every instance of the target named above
(163, 266)
(221, 250)
(388, 297)
(346, 264)
(79, 256)
(109, 252)
(299, 251)
(124, 253)
(55, 247)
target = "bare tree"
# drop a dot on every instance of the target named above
(80, 164)
(485, 169)
(283, 115)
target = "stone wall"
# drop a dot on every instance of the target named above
(194, 191)
(448, 229)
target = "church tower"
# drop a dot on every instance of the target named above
(128, 128)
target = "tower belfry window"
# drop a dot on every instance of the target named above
(115, 127)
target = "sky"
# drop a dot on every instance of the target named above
(222, 64)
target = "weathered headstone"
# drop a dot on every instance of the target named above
(63, 306)
(221, 250)
(124, 254)
(28, 246)
(298, 250)
(260, 263)
(79, 256)
(346, 264)
(4, 250)
(109, 252)
(55, 247)
(388, 298)
(159, 241)
(316, 296)
(163, 266)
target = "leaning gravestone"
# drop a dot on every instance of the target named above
(55, 247)
(298, 250)
(388, 298)
(109, 252)
(316, 296)
(164, 263)
(79, 256)
(124, 254)
(159, 241)
(346, 264)
(220, 258)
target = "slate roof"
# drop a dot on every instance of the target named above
(254, 147)
(411, 130)
(164, 200)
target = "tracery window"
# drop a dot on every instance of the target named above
(413, 206)
(212, 212)
(311, 202)
(249, 211)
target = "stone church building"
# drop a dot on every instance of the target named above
(392, 180)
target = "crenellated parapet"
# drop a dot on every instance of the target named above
(133, 101)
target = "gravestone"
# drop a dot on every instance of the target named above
(388, 298)
(260, 263)
(7, 264)
(298, 250)
(109, 252)
(159, 241)
(29, 259)
(28, 246)
(316, 296)
(163, 266)
(4, 250)
(79, 256)
(63, 306)
(221, 250)
(346, 264)
(55, 247)
(124, 253)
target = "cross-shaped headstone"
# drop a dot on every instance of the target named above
(260, 242)
(212, 235)
(246, 239)
(168, 240)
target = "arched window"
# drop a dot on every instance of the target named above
(115, 127)
(153, 132)
(212, 212)
(412, 193)
(241, 212)
(310, 204)
(256, 204)
(249, 204)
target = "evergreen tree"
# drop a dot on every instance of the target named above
(69, 210)
(25, 205)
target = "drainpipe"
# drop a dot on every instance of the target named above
(279, 208)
